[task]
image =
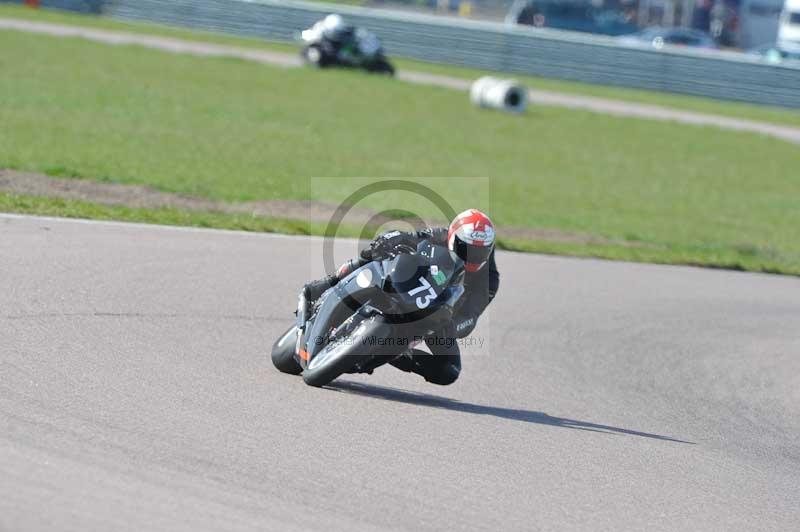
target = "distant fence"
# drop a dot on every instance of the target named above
(81, 6)
(486, 45)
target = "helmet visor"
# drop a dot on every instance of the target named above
(474, 256)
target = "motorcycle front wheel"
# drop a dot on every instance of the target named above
(343, 355)
(314, 56)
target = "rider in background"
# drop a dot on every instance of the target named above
(337, 31)
(471, 236)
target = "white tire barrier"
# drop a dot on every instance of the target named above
(495, 93)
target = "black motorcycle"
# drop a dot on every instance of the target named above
(372, 316)
(356, 47)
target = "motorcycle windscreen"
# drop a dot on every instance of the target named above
(419, 279)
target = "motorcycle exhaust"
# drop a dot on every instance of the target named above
(503, 94)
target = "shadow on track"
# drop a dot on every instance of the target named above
(527, 416)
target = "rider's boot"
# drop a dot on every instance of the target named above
(409, 361)
(314, 290)
(428, 367)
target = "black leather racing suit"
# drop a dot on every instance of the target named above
(334, 43)
(479, 289)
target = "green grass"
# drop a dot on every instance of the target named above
(761, 113)
(690, 103)
(64, 208)
(56, 16)
(42, 206)
(22, 204)
(232, 130)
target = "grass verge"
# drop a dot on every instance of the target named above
(232, 130)
(689, 103)
(42, 206)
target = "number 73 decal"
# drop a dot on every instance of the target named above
(424, 300)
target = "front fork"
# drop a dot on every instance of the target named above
(300, 321)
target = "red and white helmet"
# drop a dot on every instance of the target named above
(471, 237)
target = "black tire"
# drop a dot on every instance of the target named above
(283, 353)
(338, 358)
(382, 66)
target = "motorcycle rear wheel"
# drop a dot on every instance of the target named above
(382, 66)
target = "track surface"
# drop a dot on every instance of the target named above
(538, 97)
(136, 394)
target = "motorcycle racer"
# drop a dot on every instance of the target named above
(471, 236)
(333, 41)
(336, 30)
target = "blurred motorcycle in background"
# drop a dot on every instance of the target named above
(332, 42)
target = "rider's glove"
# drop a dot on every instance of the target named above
(387, 244)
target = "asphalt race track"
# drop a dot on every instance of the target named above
(136, 393)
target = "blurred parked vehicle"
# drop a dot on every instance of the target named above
(332, 42)
(757, 22)
(789, 27)
(772, 53)
(573, 15)
(659, 37)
